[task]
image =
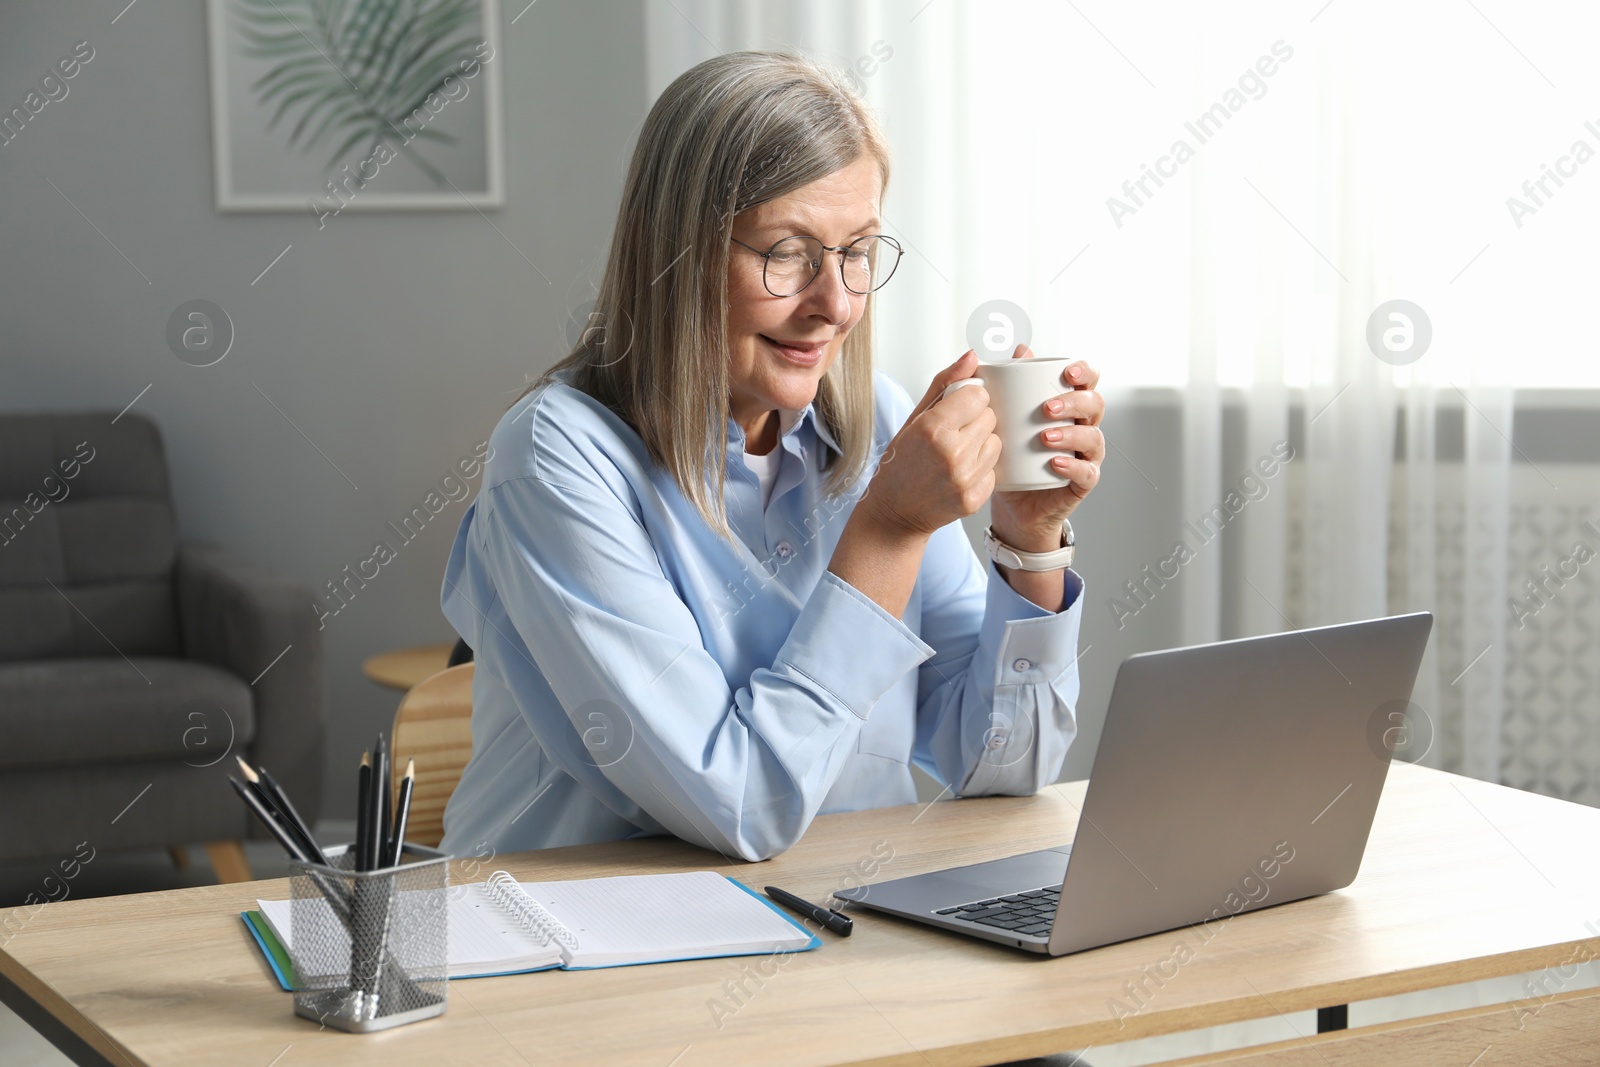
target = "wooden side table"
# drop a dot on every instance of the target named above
(405, 667)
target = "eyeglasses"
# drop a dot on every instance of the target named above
(865, 264)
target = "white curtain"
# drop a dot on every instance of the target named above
(1357, 153)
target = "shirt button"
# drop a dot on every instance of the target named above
(785, 550)
(997, 739)
(1022, 665)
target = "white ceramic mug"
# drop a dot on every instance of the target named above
(1017, 391)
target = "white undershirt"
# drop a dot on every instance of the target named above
(766, 467)
(766, 471)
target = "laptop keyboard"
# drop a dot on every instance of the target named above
(1030, 912)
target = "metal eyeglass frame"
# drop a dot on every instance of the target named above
(826, 248)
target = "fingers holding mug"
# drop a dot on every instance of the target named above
(1017, 390)
(960, 384)
(1080, 375)
(959, 371)
(1083, 441)
(1081, 403)
(971, 411)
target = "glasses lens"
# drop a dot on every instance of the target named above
(870, 262)
(792, 263)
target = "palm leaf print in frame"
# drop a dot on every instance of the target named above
(357, 69)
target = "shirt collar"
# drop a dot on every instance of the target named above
(790, 423)
(819, 427)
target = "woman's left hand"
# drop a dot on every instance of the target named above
(1031, 520)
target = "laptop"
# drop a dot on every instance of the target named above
(1230, 777)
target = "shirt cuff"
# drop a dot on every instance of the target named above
(1034, 645)
(848, 645)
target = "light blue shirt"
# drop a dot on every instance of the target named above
(637, 674)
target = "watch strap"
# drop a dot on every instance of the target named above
(1018, 560)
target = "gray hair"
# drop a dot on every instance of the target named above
(728, 134)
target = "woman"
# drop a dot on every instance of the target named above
(714, 577)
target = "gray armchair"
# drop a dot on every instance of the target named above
(133, 668)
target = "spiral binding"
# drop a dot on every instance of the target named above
(529, 913)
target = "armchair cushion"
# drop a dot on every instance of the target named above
(86, 532)
(79, 712)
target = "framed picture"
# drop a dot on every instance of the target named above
(366, 105)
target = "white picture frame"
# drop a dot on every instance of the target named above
(260, 165)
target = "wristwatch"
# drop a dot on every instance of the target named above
(1018, 560)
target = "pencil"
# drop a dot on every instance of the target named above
(337, 898)
(285, 805)
(402, 811)
(255, 804)
(363, 813)
(259, 791)
(275, 802)
(380, 767)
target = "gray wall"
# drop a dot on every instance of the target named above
(393, 340)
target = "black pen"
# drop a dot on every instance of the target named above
(833, 920)
(402, 810)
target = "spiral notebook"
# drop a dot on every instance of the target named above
(503, 926)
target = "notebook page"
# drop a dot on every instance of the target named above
(654, 917)
(277, 913)
(483, 939)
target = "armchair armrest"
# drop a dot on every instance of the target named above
(242, 618)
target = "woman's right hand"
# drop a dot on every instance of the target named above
(940, 466)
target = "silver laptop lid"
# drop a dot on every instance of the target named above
(1235, 776)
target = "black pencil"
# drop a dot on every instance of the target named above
(259, 790)
(383, 789)
(338, 899)
(286, 806)
(363, 812)
(274, 801)
(402, 812)
(279, 831)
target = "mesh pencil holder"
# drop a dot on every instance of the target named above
(370, 948)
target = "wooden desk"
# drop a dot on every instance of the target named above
(1462, 881)
(405, 667)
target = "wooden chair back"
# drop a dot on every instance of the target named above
(433, 726)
